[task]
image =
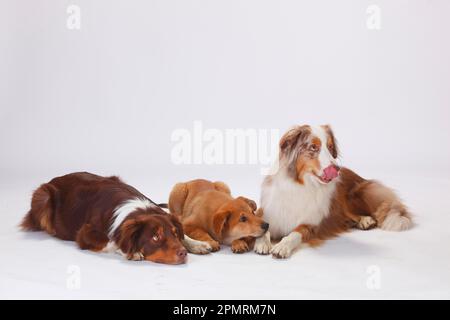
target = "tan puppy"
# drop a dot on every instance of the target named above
(209, 213)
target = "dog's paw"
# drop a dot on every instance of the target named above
(239, 246)
(263, 244)
(281, 251)
(110, 247)
(215, 246)
(286, 246)
(366, 223)
(196, 246)
(200, 248)
(137, 256)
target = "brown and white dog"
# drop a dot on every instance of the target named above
(209, 213)
(310, 198)
(105, 214)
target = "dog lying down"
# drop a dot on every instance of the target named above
(209, 213)
(103, 214)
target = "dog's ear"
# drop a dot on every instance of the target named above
(130, 233)
(177, 224)
(251, 203)
(259, 212)
(290, 138)
(220, 220)
(331, 141)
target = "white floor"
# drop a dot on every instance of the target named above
(361, 265)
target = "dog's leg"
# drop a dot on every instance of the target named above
(263, 245)
(89, 238)
(287, 245)
(111, 246)
(201, 235)
(242, 245)
(196, 246)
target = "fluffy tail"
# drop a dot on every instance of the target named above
(40, 216)
(386, 207)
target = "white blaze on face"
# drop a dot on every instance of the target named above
(325, 157)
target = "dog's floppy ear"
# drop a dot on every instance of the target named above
(130, 232)
(331, 141)
(250, 202)
(220, 220)
(259, 212)
(177, 224)
(290, 138)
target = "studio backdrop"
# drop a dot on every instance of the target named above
(159, 92)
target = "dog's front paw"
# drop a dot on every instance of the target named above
(215, 246)
(201, 248)
(263, 244)
(239, 246)
(286, 246)
(195, 246)
(137, 256)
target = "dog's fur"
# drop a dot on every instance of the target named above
(209, 213)
(303, 205)
(105, 214)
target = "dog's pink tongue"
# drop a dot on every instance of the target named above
(330, 173)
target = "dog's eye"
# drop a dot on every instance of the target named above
(243, 219)
(156, 238)
(314, 148)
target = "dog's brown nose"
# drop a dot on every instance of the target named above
(265, 226)
(182, 253)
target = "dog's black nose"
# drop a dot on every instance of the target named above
(182, 253)
(265, 226)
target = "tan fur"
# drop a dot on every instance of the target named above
(209, 213)
(220, 186)
(178, 195)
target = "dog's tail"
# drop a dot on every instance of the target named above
(386, 207)
(40, 215)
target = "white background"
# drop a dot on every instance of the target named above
(106, 99)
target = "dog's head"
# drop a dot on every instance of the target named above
(310, 153)
(236, 219)
(157, 237)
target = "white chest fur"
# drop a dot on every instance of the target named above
(287, 204)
